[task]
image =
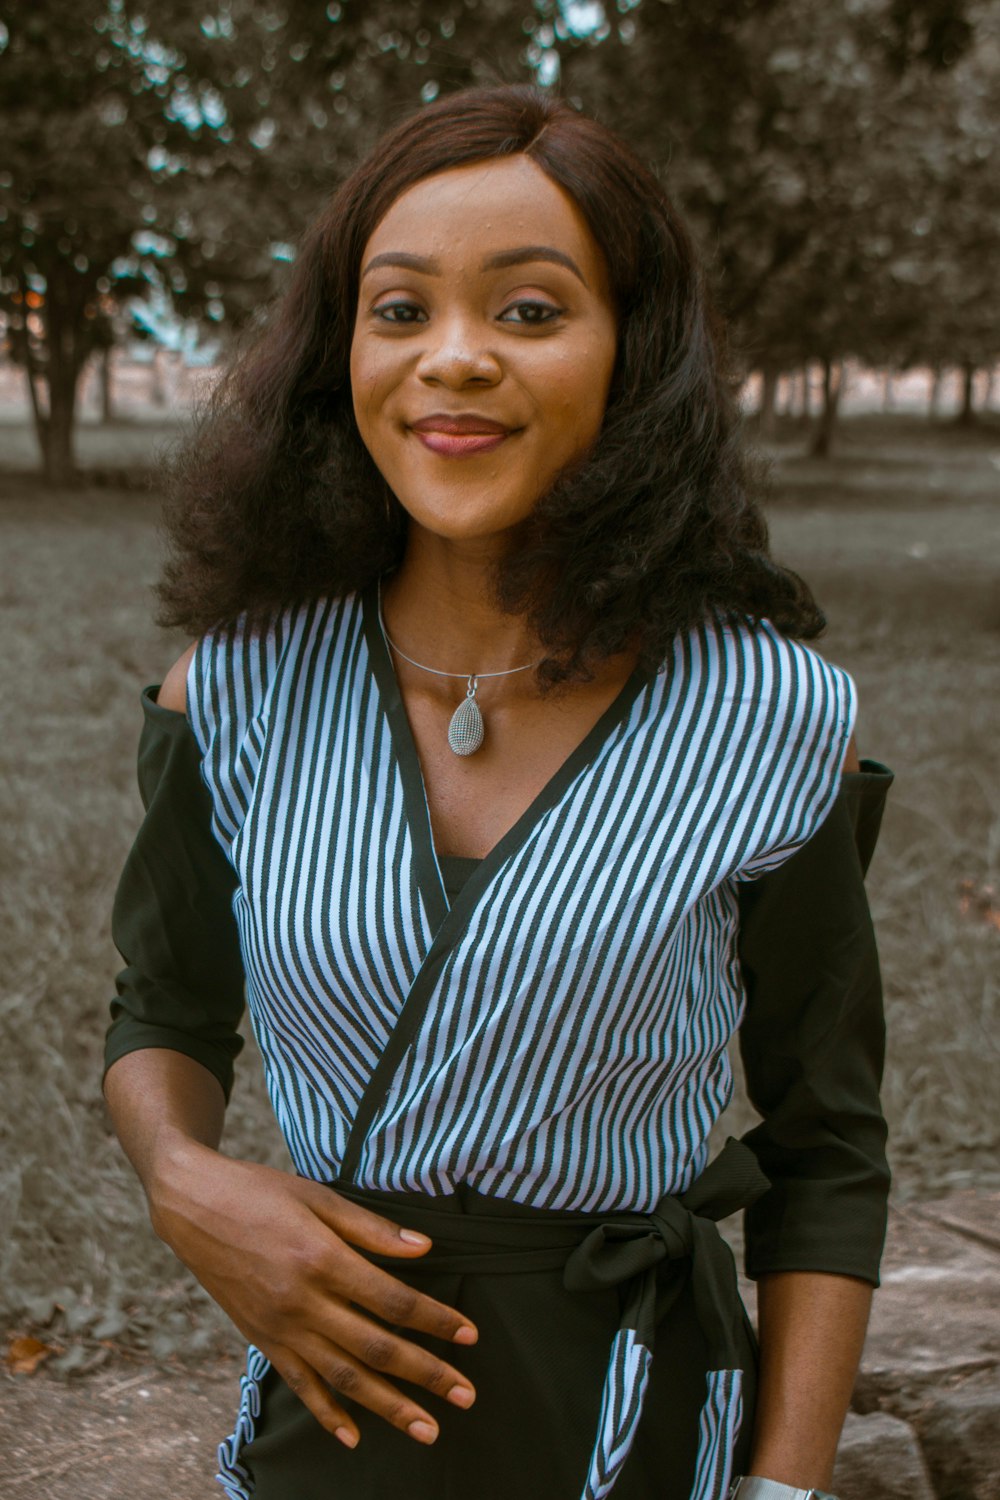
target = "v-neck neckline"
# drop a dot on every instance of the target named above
(416, 805)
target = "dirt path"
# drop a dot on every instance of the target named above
(152, 1435)
(115, 1436)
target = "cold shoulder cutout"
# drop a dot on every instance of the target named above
(172, 693)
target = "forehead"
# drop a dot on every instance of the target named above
(486, 206)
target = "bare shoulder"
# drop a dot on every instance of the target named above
(173, 690)
(851, 760)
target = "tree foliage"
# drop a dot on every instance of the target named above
(837, 161)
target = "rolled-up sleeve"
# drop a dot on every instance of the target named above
(813, 1044)
(173, 922)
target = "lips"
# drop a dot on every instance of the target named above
(460, 436)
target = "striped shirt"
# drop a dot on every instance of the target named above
(576, 1002)
(557, 1036)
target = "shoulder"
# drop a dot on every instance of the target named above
(240, 674)
(787, 684)
(789, 716)
(173, 689)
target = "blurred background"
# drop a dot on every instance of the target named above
(838, 165)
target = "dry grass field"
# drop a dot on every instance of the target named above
(900, 535)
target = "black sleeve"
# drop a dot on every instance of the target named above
(813, 1043)
(173, 921)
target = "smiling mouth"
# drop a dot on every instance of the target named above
(460, 437)
(461, 444)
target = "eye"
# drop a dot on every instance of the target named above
(398, 312)
(532, 313)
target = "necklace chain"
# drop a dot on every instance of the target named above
(469, 677)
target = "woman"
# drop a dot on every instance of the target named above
(497, 741)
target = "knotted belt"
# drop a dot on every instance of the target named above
(599, 1251)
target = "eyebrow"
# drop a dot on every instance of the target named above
(525, 254)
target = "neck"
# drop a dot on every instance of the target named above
(438, 608)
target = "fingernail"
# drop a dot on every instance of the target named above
(422, 1431)
(466, 1335)
(347, 1437)
(413, 1238)
(460, 1395)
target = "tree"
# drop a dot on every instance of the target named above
(805, 144)
(951, 265)
(186, 147)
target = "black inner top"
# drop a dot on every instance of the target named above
(455, 871)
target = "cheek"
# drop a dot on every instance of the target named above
(359, 383)
(370, 383)
(577, 391)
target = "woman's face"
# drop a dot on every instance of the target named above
(484, 345)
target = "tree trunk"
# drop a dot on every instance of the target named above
(106, 373)
(766, 411)
(934, 399)
(39, 416)
(967, 414)
(888, 391)
(64, 347)
(991, 388)
(833, 385)
(34, 380)
(798, 395)
(157, 384)
(57, 452)
(54, 423)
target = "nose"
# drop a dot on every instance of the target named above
(458, 354)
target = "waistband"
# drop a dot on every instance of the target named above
(475, 1235)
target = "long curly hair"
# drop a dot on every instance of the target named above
(274, 499)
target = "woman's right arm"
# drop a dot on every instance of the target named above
(276, 1252)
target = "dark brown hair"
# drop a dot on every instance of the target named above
(274, 498)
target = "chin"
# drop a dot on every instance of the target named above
(468, 526)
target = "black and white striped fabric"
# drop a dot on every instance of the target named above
(557, 1036)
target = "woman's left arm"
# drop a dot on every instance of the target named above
(812, 1331)
(812, 1044)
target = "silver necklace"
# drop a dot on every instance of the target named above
(466, 731)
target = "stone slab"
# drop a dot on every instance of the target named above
(936, 1316)
(880, 1459)
(960, 1433)
(974, 1215)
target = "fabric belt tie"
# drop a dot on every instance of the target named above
(599, 1252)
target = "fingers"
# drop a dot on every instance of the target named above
(325, 1366)
(359, 1226)
(315, 1395)
(376, 1289)
(319, 1288)
(350, 1376)
(394, 1302)
(382, 1352)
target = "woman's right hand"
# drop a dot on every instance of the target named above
(275, 1252)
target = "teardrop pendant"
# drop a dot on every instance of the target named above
(467, 731)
